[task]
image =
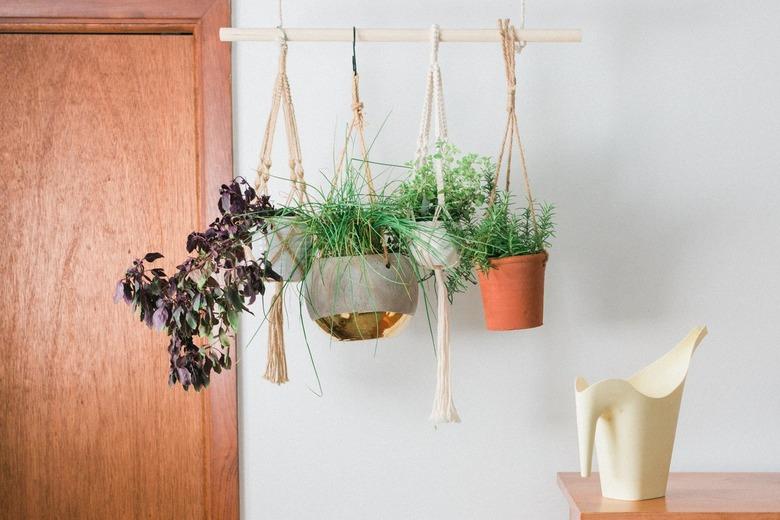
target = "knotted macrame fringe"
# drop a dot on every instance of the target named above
(276, 364)
(443, 406)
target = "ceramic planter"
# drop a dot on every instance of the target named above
(513, 292)
(287, 249)
(434, 247)
(361, 297)
(632, 423)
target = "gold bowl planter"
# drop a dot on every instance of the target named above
(361, 297)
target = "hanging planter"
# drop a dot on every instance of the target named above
(507, 247)
(513, 292)
(433, 246)
(441, 228)
(361, 297)
(359, 285)
(285, 250)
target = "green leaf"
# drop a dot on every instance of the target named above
(224, 339)
(203, 329)
(234, 298)
(192, 320)
(232, 319)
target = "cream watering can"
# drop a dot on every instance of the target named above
(633, 423)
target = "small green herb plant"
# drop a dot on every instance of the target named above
(463, 192)
(503, 232)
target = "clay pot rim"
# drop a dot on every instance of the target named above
(533, 257)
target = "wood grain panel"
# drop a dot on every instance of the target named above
(98, 159)
(216, 145)
(690, 496)
(167, 9)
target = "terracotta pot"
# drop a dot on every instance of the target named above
(287, 249)
(434, 246)
(361, 297)
(513, 292)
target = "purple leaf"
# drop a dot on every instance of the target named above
(128, 293)
(119, 292)
(160, 318)
(151, 257)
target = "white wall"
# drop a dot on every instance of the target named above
(658, 138)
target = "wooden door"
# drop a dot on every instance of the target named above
(103, 157)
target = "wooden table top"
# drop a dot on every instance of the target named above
(690, 496)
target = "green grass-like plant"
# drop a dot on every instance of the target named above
(349, 221)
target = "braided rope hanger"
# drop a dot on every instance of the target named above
(443, 405)
(282, 97)
(276, 363)
(434, 99)
(511, 46)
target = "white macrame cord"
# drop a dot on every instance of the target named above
(443, 406)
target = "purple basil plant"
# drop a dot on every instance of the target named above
(208, 291)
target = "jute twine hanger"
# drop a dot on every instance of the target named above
(443, 406)
(282, 97)
(356, 125)
(511, 46)
(276, 364)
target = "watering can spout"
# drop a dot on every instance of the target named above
(586, 426)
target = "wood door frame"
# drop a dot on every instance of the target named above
(202, 19)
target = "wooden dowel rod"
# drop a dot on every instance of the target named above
(231, 34)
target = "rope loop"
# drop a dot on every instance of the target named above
(520, 44)
(435, 39)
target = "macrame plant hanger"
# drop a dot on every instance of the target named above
(276, 364)
(511, 46)
(443, 406)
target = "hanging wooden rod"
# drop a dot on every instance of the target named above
(231, 34)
